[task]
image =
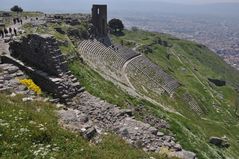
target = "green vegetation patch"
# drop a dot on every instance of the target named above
(31, 130)
(98, 86)
(192, 64)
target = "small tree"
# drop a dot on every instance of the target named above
(16, 9)
(116, 25)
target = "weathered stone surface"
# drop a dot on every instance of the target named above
(220, 142)
(45, 64)
(9, 80)
(59, 30)
(95, 116)
(177, 147)
(83, 118)
(150, 119)
(28, 99)
(90, 133)
(217, 82)
(184, 154)
(37, 51)
(126, 112)
(68, 116)
(160, 134)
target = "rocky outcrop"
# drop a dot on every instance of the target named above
(219, 142)
(217, 82)
(59, 30)
(72, 21)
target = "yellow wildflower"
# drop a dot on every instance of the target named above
(31, 85)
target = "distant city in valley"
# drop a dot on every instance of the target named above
(219, 33)
(214, 25)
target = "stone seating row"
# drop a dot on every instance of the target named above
(124, 52)
(141, 67)
(154, 73)
(99, 53)
(192, 103)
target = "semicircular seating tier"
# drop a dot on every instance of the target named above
(116, 60)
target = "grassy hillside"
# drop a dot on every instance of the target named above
(192, 132)
(191, 64)
(31, 130)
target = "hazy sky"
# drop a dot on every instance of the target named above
(200, 1)
(85, 5)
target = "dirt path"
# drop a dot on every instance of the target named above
(4, 47)
(125, 74)
(209, 91)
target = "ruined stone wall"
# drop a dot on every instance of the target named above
(41, 59)
(41, 52)
(62, 89)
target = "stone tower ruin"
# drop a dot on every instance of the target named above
(99, 19)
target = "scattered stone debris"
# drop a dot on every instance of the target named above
(219, 142)
(59, 30)
(9, 80)
(27, 99)
(217, 82)
(147, 117)
(76, 121)
(93, 117)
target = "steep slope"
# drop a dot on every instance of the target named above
(31, 130)
(207, 109)
(41, 143)
(200, 108)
